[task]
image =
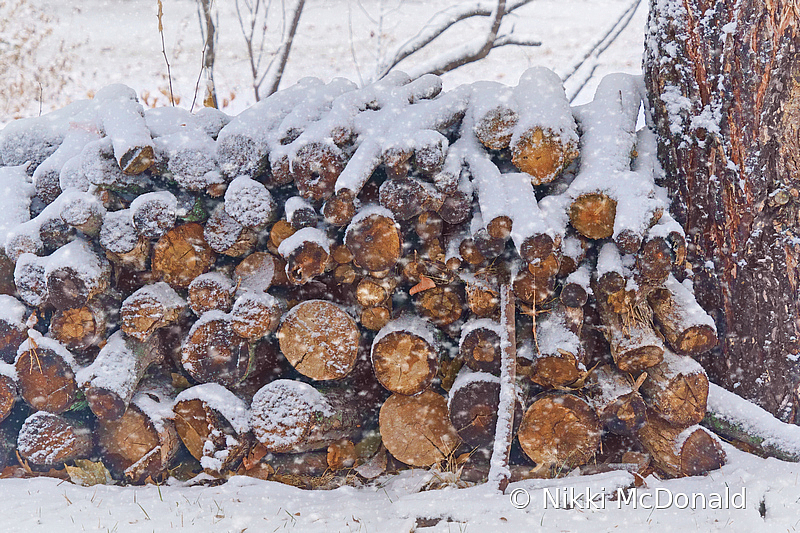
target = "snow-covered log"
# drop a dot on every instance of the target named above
(213, 424)
(676, 390)
(306, 253)
(609, 199)
(291, 416)
(48, 440)
(150, 308)
(617, 402)
(687, 328)
(110, 382)
(140, 445)
(679, 451)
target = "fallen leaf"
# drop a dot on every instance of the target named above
(88, 473)
(425, 284)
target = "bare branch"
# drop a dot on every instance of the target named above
(599, 45)
(468, 52)
(275, 71)
(440, 23)
(516, 40)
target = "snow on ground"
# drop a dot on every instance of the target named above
(762, 495)
(114, 41)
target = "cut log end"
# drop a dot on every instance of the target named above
(46, 381)
(679, 452)
(542, 155)
(320, 340)
(375, 242)
(593, 215)
(416, 430)
(136, 160)
(404, 362)
(182, 254)
(559, 431)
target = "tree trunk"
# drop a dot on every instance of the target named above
(723, 82)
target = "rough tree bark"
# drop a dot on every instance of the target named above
(723, 82)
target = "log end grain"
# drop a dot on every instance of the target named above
(593, 215)
(319, 339)
(417, 429)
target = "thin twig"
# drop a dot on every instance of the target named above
(164, 50)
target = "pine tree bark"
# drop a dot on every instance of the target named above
(723, 82)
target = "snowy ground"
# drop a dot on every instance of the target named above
(118, 41)
(771, 495)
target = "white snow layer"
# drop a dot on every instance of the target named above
(221, 400)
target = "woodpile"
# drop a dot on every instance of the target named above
(343, 282)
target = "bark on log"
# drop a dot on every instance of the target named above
(687, 328)
(141, 444)
(749, 427)
(405, 355)
(679, 452)
(48, 440)
(8, 390)
(12, 327)
(212, 423)
(110, 382)
(559, 432)
(417, 430)
(319, 339)
(741, 197)
(634, 345)
(181, 255)
(317, 419)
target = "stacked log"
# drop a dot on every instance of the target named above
(318, 282)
